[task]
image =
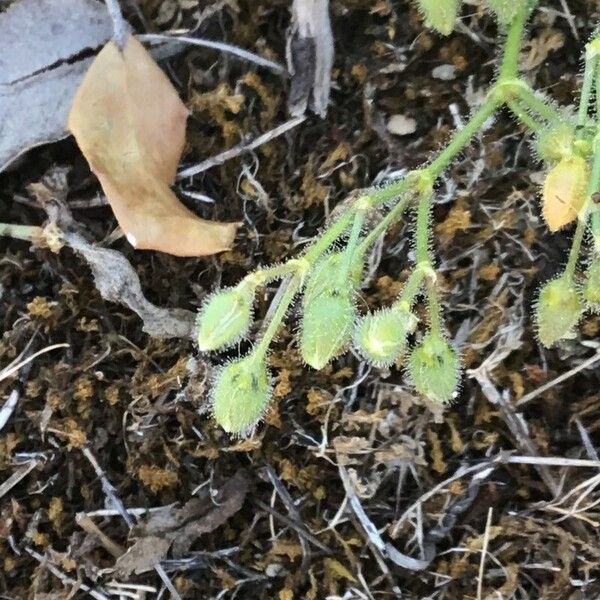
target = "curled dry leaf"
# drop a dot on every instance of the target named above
(129, 123)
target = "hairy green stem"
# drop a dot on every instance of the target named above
(510, 59)
(435, 319)
(519, 111)
(589, 74)
(413, 286)
(594, 187)
(422, 230)
(597, 42)
(462, 137)
(292, 287)
(424, 256)
(352, 247)
(267, 274)
(381, 227)
(520, 90)
(332, 233)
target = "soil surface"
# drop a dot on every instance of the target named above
(353, 487)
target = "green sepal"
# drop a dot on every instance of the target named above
(380, 336)
(558, 310)
(225, 318)
(440, 15)
(505, 10)
(556, 141)
(241, 393)
(326, 326)
(591, 286)
(433, 367)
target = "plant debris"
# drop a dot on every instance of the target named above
(115, 480)
(130, 124)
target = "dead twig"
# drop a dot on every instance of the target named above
(371, 532)
(221, 47)
(120, 26)
(63, 577)
(19, 474)
(111, 494)
(557, 380)
(486, 541)
(90, 527)
(219, 159)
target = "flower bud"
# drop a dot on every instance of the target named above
(591, 287)
(440, 14)
(225, 318)
(241, 393)
(326, 326)
(564, 191)
(557, 311)
(504, 10)
(556, 142)
(325, 276)
(433, 367)
(380, 337)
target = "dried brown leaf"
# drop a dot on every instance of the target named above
(142, 556)
(130, 124)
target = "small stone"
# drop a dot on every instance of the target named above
(401, 125)
(444, 72)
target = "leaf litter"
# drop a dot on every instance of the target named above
(417, 483)
(130, 125)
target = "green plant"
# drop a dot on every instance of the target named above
(328, 273)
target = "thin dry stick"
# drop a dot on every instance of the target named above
(14, 367)
(221, 47)
(550, 384)
(63, 577)
(481, 471)
(110, 492)
(551, 461)
(219, 159)
(8, 408)
(90, 527)
(516, 425)
(371, 532)
(120, 26)
(21, 472)
(486, 541)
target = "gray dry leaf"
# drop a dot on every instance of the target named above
(200, 515)
(142, 556)
(117, 281)
(42, 44)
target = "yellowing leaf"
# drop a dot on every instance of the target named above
(129, 123)
(336, 570)
(564, 191)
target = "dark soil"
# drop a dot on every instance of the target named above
(287, 528)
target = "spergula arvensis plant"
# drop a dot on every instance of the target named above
(328, 274)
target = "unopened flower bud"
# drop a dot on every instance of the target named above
(504, 10)
(557, 311)
(241, 393)
(326, 276)
(326, 326)
(556, 141)
(380, 337)
(225, 318)
(433, 367)
(440, 14)
(591, 287)
(564, 191)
